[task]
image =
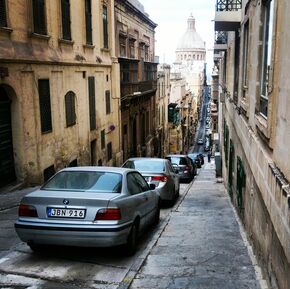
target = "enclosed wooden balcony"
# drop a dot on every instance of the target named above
(228, 15)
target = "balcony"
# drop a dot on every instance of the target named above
(228, 15)
(221, 41)
(138, 88)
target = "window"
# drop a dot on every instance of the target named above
(109, 151)
(108, 103)
(88, 13)
(70, 109)
(3, 13)
(48, 173)
(266, 54)
(73, 163)
(122, 46)
(136, 184)
(245, 58)
(142, 50)
(92, 102)
(65, 18)
(103, 141)
(39, 22)
(93, 152)
(44, 105)
(105, 27)
(146, 53)
(132, 47)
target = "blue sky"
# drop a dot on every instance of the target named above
(171, 17)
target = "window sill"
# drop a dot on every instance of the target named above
(6, 30)
(106, 49)
(262, 125)
(245, 107)
(39, 36)
(65, 41)
(89, 46)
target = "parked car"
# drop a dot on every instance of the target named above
(159, 172)
(88, 207)
(201, 157)
(200, 141)
(195, 158)
(184, 166)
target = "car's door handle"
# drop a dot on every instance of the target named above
(146, 198)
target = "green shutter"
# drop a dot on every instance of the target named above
(3, 16)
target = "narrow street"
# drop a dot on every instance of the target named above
(197, 244)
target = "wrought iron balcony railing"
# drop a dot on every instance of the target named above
(221, 37)
(228, 5)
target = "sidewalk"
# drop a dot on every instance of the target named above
(202, 245)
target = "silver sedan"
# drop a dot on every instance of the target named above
(159, 172)
(88, 207)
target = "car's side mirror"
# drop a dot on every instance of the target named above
(152, 186)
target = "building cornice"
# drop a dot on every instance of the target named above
(137, 12)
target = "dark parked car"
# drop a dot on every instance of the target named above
(186, 170)
(88, 207)
(201, 157)
(195, 158)
(159, 172)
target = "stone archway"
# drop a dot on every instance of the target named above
(7, 169)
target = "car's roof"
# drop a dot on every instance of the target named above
(146, 159)
(179, 156)
(98, 169)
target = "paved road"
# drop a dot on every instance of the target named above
(65, 267)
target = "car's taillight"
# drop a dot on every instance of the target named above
(186, 168)
(163, 179)
(108, 214)
(27, 211)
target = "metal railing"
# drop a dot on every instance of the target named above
(228, 5)
(221, 37)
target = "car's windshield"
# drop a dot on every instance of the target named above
(88, 181)
(146, 165)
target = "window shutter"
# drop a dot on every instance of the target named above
(105, 27)
(70, 109)
(65, 13)
(44, 105)
(109, 151)
(89, 37)
(39, 24)
(92, 102)
(108, 103)
(3, 17)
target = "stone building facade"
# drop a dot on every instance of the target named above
(162, 102)
(254, 125)
(135, 47)
(59, 98)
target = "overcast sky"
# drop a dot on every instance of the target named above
(171, 17)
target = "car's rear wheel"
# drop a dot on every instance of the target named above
(131, 244)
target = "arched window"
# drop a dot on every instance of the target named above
(70, 109)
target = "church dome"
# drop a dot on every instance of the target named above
(190, 39)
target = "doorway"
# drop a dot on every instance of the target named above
(7, 170)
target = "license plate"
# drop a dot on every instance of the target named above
(66, 213)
